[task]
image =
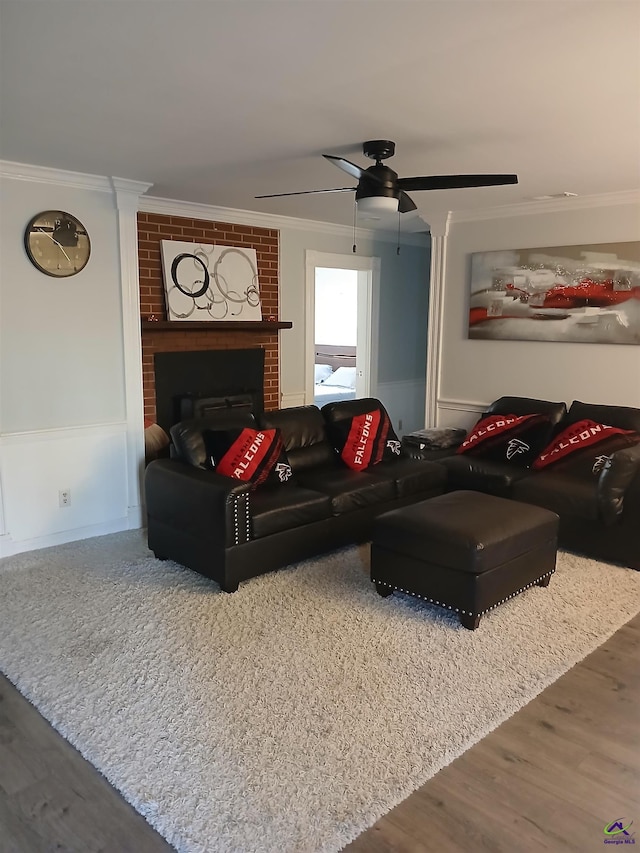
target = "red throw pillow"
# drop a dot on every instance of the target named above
(253, 455)
(581, 435)
(365, 440)
(514, 439)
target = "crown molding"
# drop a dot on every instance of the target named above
(193, 210)
(60, 177)
(125, 185)
(551, 205)
(78, 180)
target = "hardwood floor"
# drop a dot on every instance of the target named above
(549, 778)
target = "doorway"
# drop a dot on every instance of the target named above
(341, 314)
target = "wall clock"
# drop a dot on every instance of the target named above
(57, 243)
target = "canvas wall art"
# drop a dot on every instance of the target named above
(204, 282)
(585, 294)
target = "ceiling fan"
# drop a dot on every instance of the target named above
(380, 190)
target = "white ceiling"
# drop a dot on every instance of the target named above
(216, 101)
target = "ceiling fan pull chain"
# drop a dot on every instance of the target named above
(355, 207)
(398, 247)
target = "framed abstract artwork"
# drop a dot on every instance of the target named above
(205, 282)
(583, 294)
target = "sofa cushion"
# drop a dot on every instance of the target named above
(304, 435)
(188, 438)
(413, 476)
(585, 442)
(272, 509)
(481, 475)
(348, 490)
(251, 455)
(509, 439)
(624, 417)
(604, 458)
(528, 406)
(618, 472)
(566, 495)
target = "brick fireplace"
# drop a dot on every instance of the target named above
(187, 337)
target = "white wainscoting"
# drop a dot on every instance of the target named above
(89, 461)
(458, 413)
(296, 398)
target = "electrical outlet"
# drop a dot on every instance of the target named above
(64, 497)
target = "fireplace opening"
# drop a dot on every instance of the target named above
(196, 406)
(192, 384)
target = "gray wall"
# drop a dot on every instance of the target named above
(61, 348)
(62, 383)
(482, 370)
(404, 304)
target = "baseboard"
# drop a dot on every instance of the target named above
(288, 401)
(8, 547)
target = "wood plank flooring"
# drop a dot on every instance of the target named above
(548, 779)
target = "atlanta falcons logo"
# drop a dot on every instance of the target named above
(394, 447)
(601, 463)
(283, 471)
(516, 446)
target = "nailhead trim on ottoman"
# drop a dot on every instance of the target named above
(464, 551)
(457, 609)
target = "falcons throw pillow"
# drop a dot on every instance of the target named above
(253, 455)
(514, 439)
(365, 440)
(587, 444)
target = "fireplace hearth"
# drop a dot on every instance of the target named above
(190, 384)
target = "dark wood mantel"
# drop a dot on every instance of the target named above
(214, 325)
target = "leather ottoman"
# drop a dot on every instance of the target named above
(464, 551)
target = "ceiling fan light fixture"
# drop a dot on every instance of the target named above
(376, 205)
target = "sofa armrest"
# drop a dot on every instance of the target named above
(616, 478)
(197, 501)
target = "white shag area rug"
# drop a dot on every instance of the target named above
(294, 713)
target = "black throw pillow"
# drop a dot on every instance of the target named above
(252, 455)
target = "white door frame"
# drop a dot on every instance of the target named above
(368, 301)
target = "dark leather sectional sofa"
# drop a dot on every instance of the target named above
(219, 527)
(599, 511)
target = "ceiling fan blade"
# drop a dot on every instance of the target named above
(351, 168)
(346, 166)
(308, 192)
(405, 204)
(454, 182)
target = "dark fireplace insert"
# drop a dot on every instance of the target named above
(192, 384)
